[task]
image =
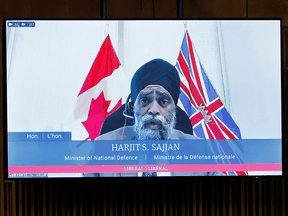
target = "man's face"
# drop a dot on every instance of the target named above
(154, 110)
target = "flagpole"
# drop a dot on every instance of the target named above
(185, 26)
(225, 76)
(106, 30)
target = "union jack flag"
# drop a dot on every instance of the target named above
(208, 115)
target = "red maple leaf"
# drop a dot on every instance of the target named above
(97, 114)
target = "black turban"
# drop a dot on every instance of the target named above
(156, 72)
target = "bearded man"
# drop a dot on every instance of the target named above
(155, 90)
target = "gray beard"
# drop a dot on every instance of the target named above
(164, 133)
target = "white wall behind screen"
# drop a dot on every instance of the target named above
(50, 62)
(252, 56)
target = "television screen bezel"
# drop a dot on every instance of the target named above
(4, 89)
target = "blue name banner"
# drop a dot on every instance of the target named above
(47, 152)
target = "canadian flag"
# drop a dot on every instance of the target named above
(103, 92)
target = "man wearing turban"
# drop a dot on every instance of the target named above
(155, 89)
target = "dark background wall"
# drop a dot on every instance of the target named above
(174, 196)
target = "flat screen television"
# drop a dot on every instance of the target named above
(142, 98)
